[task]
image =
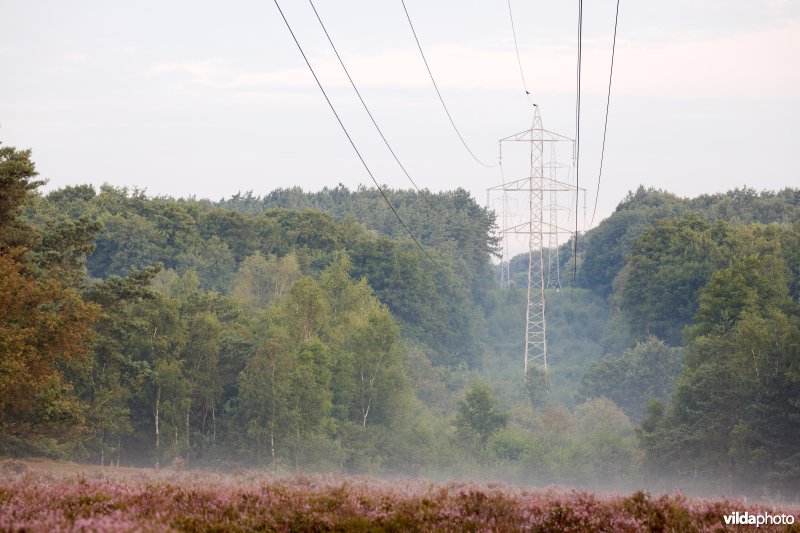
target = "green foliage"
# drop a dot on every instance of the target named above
(594, 445)
(790, 246)
(450, 222)
(479, 413)
(125, 242)
(329, 366)
(648, 370)
(434, 303)
(115, 374)
(427, 298)
(259, 280)
(537, 386)
(17, 183)
(668, 265)
(178, 371)
(733, 411)
(608, 245)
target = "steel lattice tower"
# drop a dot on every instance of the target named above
(539, 188)
(505, 262)
(535, 332)
(553, 266)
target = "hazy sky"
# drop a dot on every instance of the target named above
(207, 99)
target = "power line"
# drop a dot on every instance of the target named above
(608, 102)
(577, 140)
(363, 103)
(435, 86)
(353, 144)
(519, 61)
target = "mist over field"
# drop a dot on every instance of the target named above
(304, 332)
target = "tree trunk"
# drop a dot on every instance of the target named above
(272, 442)
(158, 435)
(272, 420)
(188, 410)
(297, 450)
(366, 412)
(158, 400)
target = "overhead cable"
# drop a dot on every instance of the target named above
(363, 103)
(435, 86)
(519, 61)
(577, 140)
(605, 124)
(347, 134)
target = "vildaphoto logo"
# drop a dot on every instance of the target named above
(761, 519)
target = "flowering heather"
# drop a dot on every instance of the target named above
(34, 500)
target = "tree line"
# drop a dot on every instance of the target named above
(169, 329)
(706, 313)
(305, 330)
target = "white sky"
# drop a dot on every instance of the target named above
(207, 99)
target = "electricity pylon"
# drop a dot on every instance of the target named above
(553, 264)
(505, 261)
(538, 188)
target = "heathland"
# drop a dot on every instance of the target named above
(45, 496)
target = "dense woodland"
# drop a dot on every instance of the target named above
(307, 331)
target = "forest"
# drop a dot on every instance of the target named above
(305, 331)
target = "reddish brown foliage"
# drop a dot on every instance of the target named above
(43, 326)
